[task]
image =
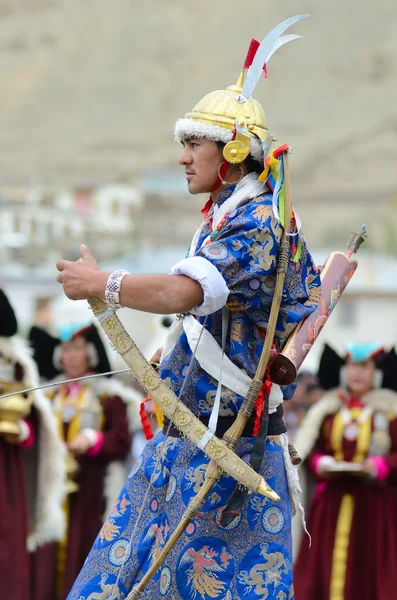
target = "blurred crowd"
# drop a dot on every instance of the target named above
(66, 449)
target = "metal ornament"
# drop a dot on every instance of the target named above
(237, 150)
(268, 46)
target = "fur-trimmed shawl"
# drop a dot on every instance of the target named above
(45, 462)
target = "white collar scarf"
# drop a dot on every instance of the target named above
(248, 188)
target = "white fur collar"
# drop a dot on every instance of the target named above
(247, 189)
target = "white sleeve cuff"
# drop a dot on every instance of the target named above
(91, 435)
(214, 286)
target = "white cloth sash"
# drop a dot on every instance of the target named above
(209, 357)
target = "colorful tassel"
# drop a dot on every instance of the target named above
(260, 403)
(144, 420)
(147, 430)
(159, 415)
(273, 175)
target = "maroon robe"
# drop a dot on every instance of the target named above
(87, 505)
(371, 572)
(14, 557)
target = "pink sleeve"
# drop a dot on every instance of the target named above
(28, 443)
(382, 468)
(97, 447)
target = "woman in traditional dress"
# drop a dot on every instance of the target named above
(348, 441)
(95, 420)
(31, 466)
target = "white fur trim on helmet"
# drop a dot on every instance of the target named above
(190, 127)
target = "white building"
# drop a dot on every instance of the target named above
(39, 225)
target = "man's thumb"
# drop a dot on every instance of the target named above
(84, 252)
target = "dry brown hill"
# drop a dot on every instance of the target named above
(90, 90)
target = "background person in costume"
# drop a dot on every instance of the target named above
(92, 418)
(349, 443)
(31, 466)
(224, 289)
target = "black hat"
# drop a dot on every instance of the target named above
(331, 364)
(8, 322)
(46, 349)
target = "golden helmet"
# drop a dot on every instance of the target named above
(232, 116)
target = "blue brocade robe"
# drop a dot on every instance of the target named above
(252, 558)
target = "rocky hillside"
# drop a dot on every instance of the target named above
(90, 92)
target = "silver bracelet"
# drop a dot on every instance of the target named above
(113, 286)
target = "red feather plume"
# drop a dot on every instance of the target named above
(253, 47)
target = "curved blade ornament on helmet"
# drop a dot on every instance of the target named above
(265, 50)
(284, 39)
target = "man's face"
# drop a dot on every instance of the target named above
(201, 159)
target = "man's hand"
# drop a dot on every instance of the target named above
(76, 276)
(80, 445)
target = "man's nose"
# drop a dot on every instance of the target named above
(185, 158)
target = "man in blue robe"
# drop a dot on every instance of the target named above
(223, 291)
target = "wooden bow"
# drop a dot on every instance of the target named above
(174, 409)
